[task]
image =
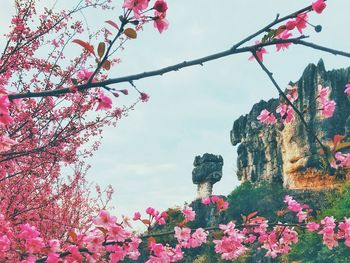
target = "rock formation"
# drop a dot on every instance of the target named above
(206, 172)
(288, 153)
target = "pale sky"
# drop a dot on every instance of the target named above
(148, 157)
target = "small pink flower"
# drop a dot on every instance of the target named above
(104, 102)
(267, 117)
(104, 219)
(259, 53)
(150, 211)
(144, 97)
(300, 22)
(189, 214)
(312, 226)
(214, 199)
(284, 35)
(84, 74)
(136, 6)
(206, 200)
(6, 143)
(160, 6)
(323, 92)
(347, 88)
(290, 25)
(160, 22)
(319, 6)
(137, 216)
(328, 107)
(124, 91)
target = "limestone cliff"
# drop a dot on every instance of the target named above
(288, 153)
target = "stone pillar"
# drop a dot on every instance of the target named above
(206, 172)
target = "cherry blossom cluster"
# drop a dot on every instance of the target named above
(300, 22)
(187, 239)
(284, 109)
(326, 226)
(294, 206)
(110, 241)
(154, 217)
(139, 7)
(327, 105)
(220, 203)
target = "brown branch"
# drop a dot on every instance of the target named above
(176, 67)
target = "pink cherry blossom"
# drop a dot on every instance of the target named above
(231, 245)
(329, 237)
(286, 112)
(347, 88)
(124, 91)
(160, 6)
(292, 204)
(150, 211)
(323, 92)
(206, 200)
(319, 6)
(136, 6)
(144, 97)
(267, 117)
(198, 237)
(290, 25)
(300, 22)
(84, 74)
(302, 216)
(284, 35)
(104, 102)
(137, 216)
(312, 226)
(104, 219)
(214, 199)
(328, 107)
(6, 143)
(345, 231)
(160, 22)
(292, 93)
(189, 214)
(341, 160)
(259, 53)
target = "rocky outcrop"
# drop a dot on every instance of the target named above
(288, 153)
(206, 172)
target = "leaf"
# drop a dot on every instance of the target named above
(101, 49)
(131, 33)
(73, 235)
(337, 138)
(106, 65)
(85, 45)
(341, 146)
(113, 24)
(272, 33)
(280, 30)
(146, 222)
(251, 215)
(150, 241)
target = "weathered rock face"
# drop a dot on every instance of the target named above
(206, 172)
(288, 153)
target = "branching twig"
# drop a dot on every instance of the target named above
(281, 93)
(175, 67)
